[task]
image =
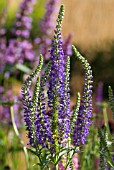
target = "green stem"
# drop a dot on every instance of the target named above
(18, 136)
(106, 120)
(56, 167)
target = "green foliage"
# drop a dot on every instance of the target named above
(105, 150)
(90, 152)
(23, 68)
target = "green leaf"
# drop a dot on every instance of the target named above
(23, 68)
(32, 151)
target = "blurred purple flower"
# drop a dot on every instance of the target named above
(99, 97)
(2, 40)
(46, 27)
(67, 47)
(23, 24)
(20, 48)
(2, 52)
(19, 51)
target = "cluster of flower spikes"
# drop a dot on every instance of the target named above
(49, 124)
(20, 48)
(81, 127)
(46, 26)
(39, 123)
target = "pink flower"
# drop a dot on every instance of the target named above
(74, 160)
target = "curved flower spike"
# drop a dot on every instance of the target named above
(30, 104)
(85, 111)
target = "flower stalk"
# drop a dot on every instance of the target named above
(53, 129)
(19, 138)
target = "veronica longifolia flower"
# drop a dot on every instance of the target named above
(49, 120)
(84, 115)
(58, 93)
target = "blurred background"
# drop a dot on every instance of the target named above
(91, 24)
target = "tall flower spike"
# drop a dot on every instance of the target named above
(57, 58)
(85, 111)
(29, 103)
(56, 83)
(43, 125)
(34, 112)
(66, 99)
(111, 99)
(58, 90)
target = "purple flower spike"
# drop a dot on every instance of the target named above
(20, 48)
(30, 104)
(23, 23)
(83, 122)
(58, 93)
(47, 23)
